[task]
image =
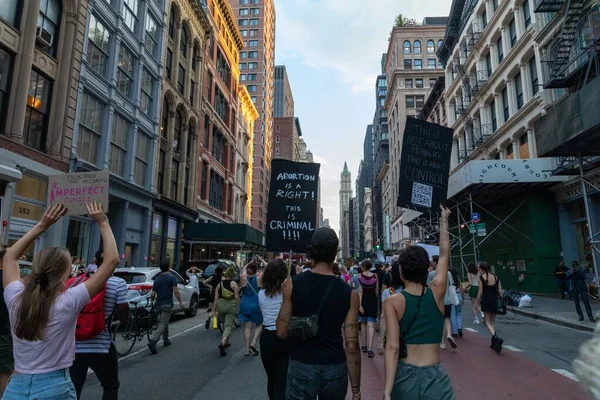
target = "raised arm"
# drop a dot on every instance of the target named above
(440, 281)
(10, 264)
(351, 345)
(285, 313)
(111, 256)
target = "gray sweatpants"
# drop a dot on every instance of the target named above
(422, 383)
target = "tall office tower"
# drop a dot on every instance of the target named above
(256, 22)
(345, 195)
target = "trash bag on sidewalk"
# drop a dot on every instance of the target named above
(513, 298)
(526, 302)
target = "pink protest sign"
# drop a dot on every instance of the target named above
(76, 189)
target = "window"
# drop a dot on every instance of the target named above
(6, 66)
(203, 182)
(505, 104)
(98, 46)
(252, 65)
(488, 64)
(172, 23)
(432, 82)
(254, 11)
(512, 29)
(254, 22)
(181, 79)
(534, 75)
(90, 128)
(125, 71)
(253, 32)
(277, 138)
(526, 13)
(495, 4)
(243, 22)
(243, 55)
(252, 77)
(49, 20)
(242, 77)
(519, 90)
(142, 151)
(130, 8)
(147, 83)
(253, 98)
(243, 11)
(254, 2)
(407, 64)
(430, 47)
(253, 43)
(160, 173)
(418, 64)
(253, 54)
(244, 32)
(408, 83)
(419, 101)
(37, 112)
(243, 2)
(169, 64)
(417, 47)
(500, 50)
(431, 63)
(152, 35)
(164, 129)
(410, 101)
(183, 42)
(484, 18)
(118, 145)
(493, 115)
(440, 43)
(243, 66)
(177, 131)
(10, 12)
(510, 152)
(407, 47)
(524, 147)
(174, 179)
(195, 57)
(419, 83)
(252, 88)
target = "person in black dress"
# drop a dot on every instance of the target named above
(487, 298)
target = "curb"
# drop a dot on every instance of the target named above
(553, 320)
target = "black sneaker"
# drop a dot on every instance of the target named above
(166, 343)
(152, 347)
(592, 319)
(498, 345)
(460, 333)
(455, 336)
(222, 350)
(580, 319)
(207, 324)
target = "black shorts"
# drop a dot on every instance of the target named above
(448, 311)
(7, 362)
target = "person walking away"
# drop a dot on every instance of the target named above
(577, 276)
(561, 272)
(275, 352)
(367, 293)
(456, 317)
(249, 313)
(490, 289)
(163, 290)
(43, 314)
(192, 275)
(7, 361)
(227, 300)
(473, 275)
(99, 353)
(212, 283)
(447, 302)
(321, 362)
(354, 280)
(345, 275)
(395, 286)
(93, 267)
(414, 326)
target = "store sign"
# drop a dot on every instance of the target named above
(292, 210)
(424, 165)
(76, 189)
(480, 229)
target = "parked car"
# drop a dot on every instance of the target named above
(140, 281)
(208, 270)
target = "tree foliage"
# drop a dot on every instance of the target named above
(401, 20)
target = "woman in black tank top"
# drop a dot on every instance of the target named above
(227, 299)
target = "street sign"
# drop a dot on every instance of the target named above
(480, 229)
(475, 217)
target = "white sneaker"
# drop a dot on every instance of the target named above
(482, 316)
(476, 321)
(442, 346)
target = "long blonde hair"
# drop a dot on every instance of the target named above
(46, 281)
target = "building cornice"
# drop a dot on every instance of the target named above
(227, 12)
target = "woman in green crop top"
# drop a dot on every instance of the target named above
(417, 314)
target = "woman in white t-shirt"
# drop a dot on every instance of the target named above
(192, 275)
(274, 352)
(43, 314)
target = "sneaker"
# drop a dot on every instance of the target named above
(166, 343)
(442, 346)
(482, 316)
(370, 354)
(476, 321)
(363, 349)
(152, 347)
(498, 347)
(580, 319)
(455, 336)
(451, 341)
(222, 350)
(460, 333)
(592, 319)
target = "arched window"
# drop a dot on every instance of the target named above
(439, 43)
(190, 138)
(417, 46)
(183, 42)
(430, 46)
(10, 11)
(172, 22)
(178, 129)
(195, 57)
(164, 129)
(407, 47)
(49, 20)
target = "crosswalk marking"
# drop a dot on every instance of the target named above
(511, 348)
(471, 330)
(567, 374)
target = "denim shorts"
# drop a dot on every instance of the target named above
(364, 320)
(422, 383)
(55, 385)
(306, 381)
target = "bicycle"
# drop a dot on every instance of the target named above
(141, 322)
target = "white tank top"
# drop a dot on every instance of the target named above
(474, 280)
(270, 307)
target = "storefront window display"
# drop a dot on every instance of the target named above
(171, 239)
(155, 242)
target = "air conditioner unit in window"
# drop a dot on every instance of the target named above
(43, 37)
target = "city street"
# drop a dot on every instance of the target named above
(535, 364)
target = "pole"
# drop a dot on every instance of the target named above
(589, 216)
(475, 250)
(462, 263)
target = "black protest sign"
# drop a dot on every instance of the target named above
(292, 211)
(424, 165)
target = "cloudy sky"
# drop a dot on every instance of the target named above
(332, 51)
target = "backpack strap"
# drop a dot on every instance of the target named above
(322, 303)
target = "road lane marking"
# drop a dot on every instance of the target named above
(511, 348)
(472, 330)
(567, 374)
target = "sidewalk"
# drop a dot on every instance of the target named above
(559, 312)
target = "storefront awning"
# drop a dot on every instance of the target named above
(9, 174)
(232, 234)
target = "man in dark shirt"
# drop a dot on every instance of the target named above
(577, 276)
(7, 361)
(165, 286)
(561, 272)
(320, 365)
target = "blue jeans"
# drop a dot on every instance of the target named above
(306, 382)
(456, 318)
(54, 385)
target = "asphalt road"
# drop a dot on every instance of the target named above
(192, 369)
